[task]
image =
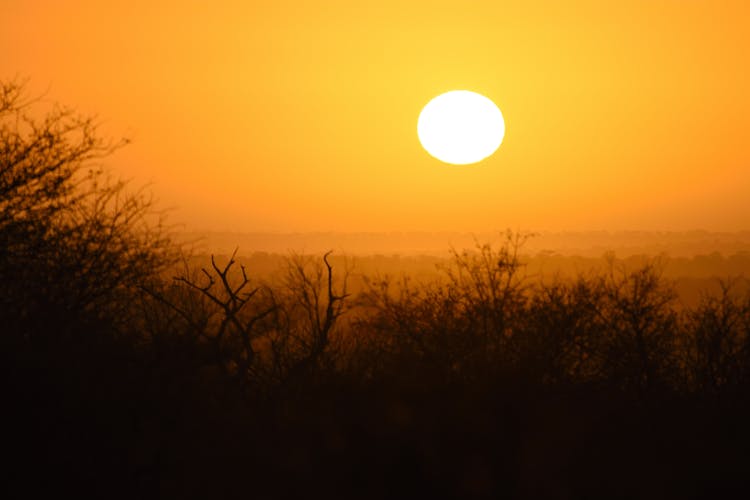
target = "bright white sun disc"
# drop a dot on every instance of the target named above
(461, 127)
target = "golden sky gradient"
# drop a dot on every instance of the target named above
(301, 115)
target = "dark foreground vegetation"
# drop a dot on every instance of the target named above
(128, 374)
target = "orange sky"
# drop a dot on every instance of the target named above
(301, 116)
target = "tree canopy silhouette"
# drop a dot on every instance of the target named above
(71, 238)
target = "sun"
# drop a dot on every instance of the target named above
(461, 127)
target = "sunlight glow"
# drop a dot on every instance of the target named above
(461, 127)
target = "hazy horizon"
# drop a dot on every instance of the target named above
(439, 243)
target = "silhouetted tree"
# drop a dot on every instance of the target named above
(717, 347)
(73, 242)
(639, 328)
(312, 303)
(559, 334)
(232, 325)
(461, 326)
(263, 335)
(75, 248)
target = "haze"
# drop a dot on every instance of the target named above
(301, 116)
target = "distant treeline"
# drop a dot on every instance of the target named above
(711, 265)
(691, 277)
(132, 370)
(408, 243)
